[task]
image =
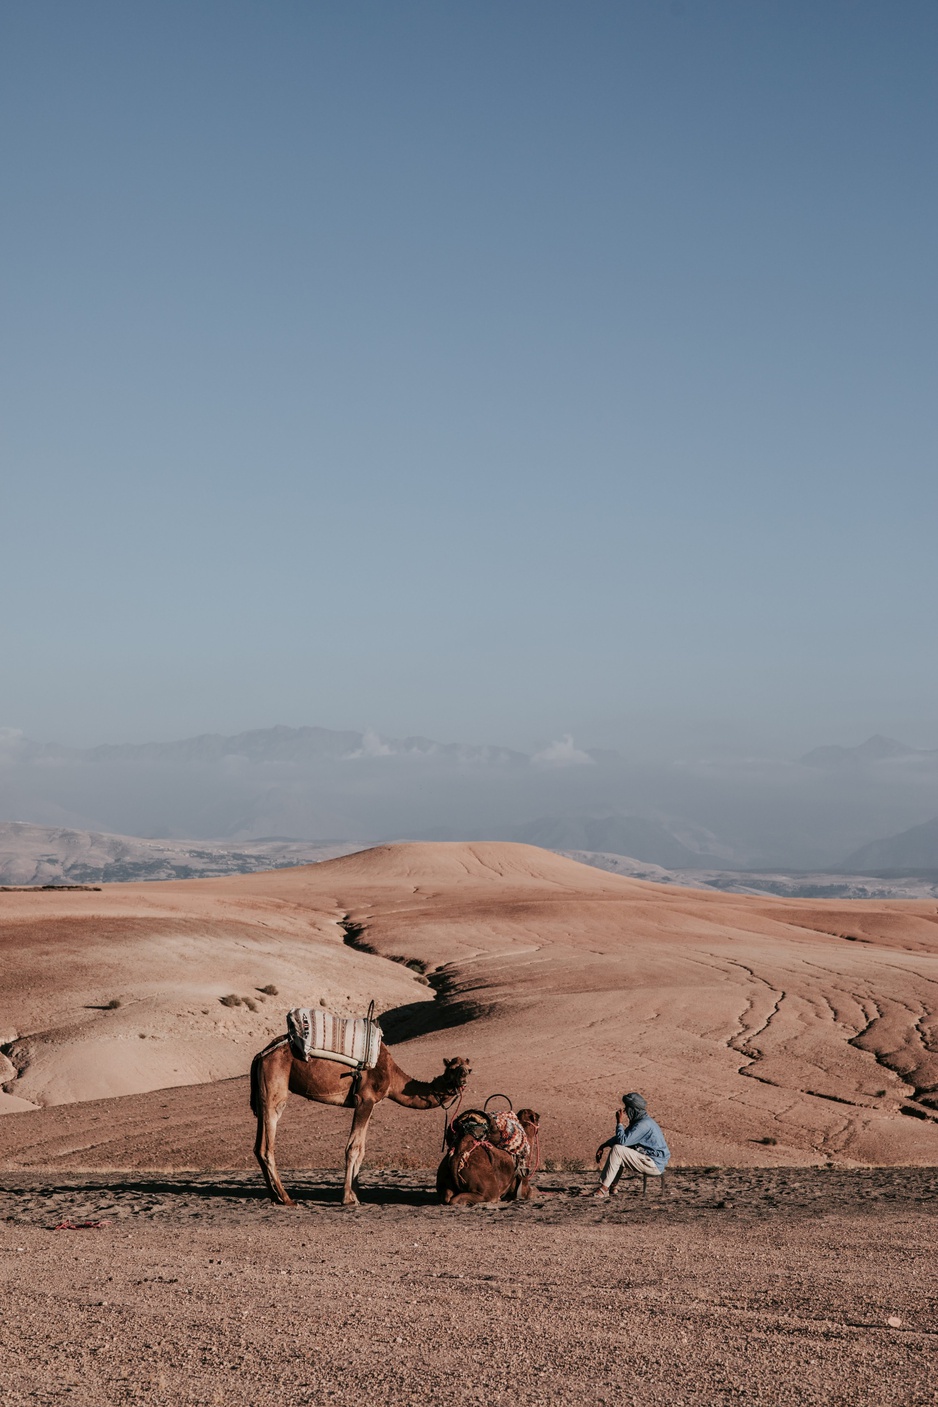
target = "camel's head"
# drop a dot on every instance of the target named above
(456, 1074)
(528, 1118)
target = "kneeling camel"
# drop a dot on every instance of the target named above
(277, 1072)
(474, 1170)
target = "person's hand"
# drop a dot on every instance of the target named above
(599, 1155)
(620, 1116)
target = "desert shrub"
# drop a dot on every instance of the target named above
(570, 1165)
(250, 1003)
(771, 1141)
(230, 1000)
(270, 990)
(113, 1004)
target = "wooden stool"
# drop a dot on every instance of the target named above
(655, 1177)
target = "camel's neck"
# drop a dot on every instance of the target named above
(413, 1094)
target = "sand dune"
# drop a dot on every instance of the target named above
(761, 1030)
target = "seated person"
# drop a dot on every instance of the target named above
(637, 1146)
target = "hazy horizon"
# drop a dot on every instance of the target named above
(314, 784)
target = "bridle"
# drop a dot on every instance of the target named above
(446, 1102)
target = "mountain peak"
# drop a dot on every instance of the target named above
(877, 748)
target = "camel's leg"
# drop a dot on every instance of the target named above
(272, 1098)
(466, 1199)
(520, 1189)
(355, 1152)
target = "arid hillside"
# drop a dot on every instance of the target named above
(760, 1030)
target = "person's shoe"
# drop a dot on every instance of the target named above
(601, 1191)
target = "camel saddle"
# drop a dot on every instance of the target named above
(502, 1130)
(315, 1034)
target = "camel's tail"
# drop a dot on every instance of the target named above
(255, 1073)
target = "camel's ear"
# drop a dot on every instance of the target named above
(450, 1063)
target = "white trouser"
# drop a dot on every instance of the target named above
(633, 1160)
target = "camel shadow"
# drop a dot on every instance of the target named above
(371, 1196)
(324, 1191)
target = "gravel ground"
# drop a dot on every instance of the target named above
(768, 1286)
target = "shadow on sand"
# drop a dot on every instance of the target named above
(304, 1189)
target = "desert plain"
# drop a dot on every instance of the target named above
(788, 1047)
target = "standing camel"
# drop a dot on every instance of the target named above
(276, 1072)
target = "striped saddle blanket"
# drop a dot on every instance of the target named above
(315, 1034)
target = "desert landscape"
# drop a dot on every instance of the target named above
(762, 1031)
(467, 566)
(788, 1048)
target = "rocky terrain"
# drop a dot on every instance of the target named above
(38, 855)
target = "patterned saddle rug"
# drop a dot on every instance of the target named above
(502, 1130)
(315, 1034)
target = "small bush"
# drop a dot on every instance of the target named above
(270, 990)
(250, 1003)
(230, 1000)
(770, 1141)
(570, 1164)
(113, 1004)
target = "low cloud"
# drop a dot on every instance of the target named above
(562, 753)
(372, 746)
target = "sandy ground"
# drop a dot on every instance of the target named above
(784, 1045)
(769, 1286)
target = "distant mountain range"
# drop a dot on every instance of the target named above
(278, 745)
(914, 849)
(636, 836)
(226, 793)
(875, 749)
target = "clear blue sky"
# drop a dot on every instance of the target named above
(483, 370)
